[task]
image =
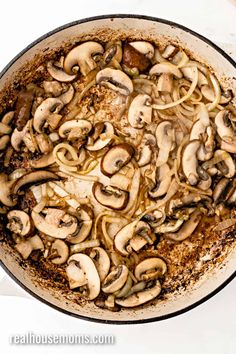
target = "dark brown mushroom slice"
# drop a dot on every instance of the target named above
(23, 108)
(116, 158)
(134, 59)
(110, 197)
(35, 177)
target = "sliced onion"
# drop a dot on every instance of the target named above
(79, 247)
(65, 173)
(217, 90)
(41, 205)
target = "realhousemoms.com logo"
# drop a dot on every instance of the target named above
(61, 339)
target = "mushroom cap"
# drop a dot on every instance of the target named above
(116, 80)
(101, 260)
(81, 58)
(87, 266)
(167, 68)
(62, 250)
(143, 47)
(35, 177)
(140, 111)
(61, 231)
(110, 197)
(115, 279)
(58, 73)
(140, 297)
(82, 124)
(116, 157)
(19, 222)
(47, 108)
(149, 264)
(101, 143)
(190, 162)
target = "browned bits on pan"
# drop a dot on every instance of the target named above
(134, 59)
(23, 108)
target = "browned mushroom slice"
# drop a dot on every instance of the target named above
(163, 181)
(116, 158)
(110, 197)
(36, 177)
(23, 108)
(59, 252)
(58, 73)
(19, 222)
(190, 162)
(85, 222)
(150, 268)
(43, 161)
(32, 244)
(5, 190)
(96, 142)
(188, 227)
(135, 59)
(116, 80)
(115, 279)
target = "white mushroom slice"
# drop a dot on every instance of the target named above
(44, 143)
(84, 225)
(115, 279)
(224, 127)
(4, 140)
(209, 94)
(120, 181)
(188, 74)
(140, 297)
(187, 229)
(62, 231)
(48, 108)
(44, 161)
(140, 111)
(4, 129)
(82, 125)
(59, 252)
(100, 143)
(125, 240)
(147, 146)
(58, 73)
(117, 157)
(143, 47)
(75, 275)
(88, 273)
(18, 136)
(5, 191)
(109, 196)
(81, 58)
(167, 68)
(35, 177)
(32, 244)
(116, 80)
(19, 222)
(165, 136)
(227, 166)
(149, 269)
(101, 260)
(163, 180)
(67, 96)
(190, 162)
(168, 51)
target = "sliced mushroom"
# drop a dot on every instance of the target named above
(224, 127)
(116, 80)
(43, 161)
(165, 136)
(190, 162)
(59, 252)
(23, 108)
(81, 271)
(133, 58)
(116, 158)
(5, 129)
(81, 58)
(170, 226)
(208, 93)
(165, 83)
(221, 190)
(58, 73)
(128, 237)
(141, 297)
(149, 269)
(48, 108)
(115, 279)
(143, 47)
(25, 248)
(4, 140)
(5, 190)
(110, 197)
(44, 143)
(187, 229)
(140, 111)
(35, 177)
(227, 166)
(84, 217)
(188, 74)
(53, 88)
(167, 68)
(189, 200)
(99, 143)
(67, 96)
(163, 180)
(18, 136)
(101, 260)
(82, 127)
(67, 227)
(147, 146)
(8, 117)
(19, 222)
